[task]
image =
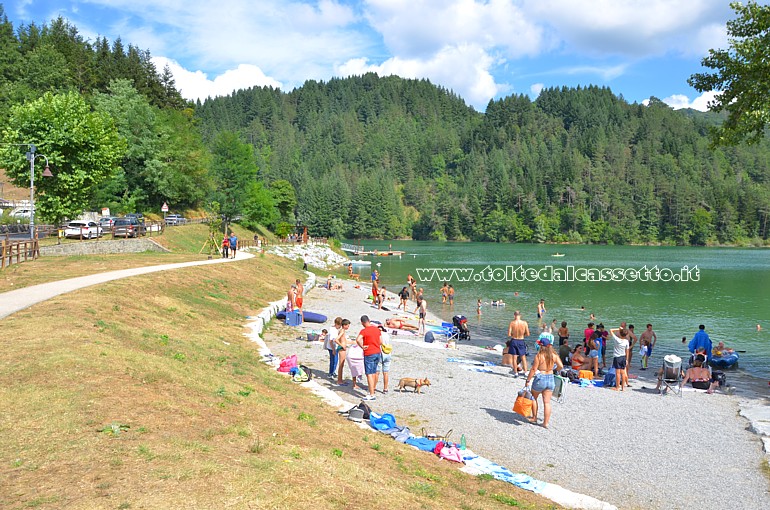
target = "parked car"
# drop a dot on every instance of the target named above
(127, 227)
(21, 213)
(137, 216)
(175, 219)
(106, 222)
(83, 229)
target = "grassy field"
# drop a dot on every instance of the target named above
(144, 393)
(185, 243)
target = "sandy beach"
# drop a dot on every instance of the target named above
(633, 449)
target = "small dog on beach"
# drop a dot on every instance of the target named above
(412, 383)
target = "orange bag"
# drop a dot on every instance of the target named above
(523, 404)
(586, 374)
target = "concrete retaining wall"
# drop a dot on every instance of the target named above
(101, 247)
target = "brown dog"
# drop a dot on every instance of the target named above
(413, 383)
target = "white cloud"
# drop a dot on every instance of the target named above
(197, 85)
(536, 88)
(679, 101)
(474, 47)
(464, 69)
(293, 39)
(633, 27)
(422, 28)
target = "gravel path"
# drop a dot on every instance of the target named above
(634, 449)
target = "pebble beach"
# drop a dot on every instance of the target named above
(631, 449)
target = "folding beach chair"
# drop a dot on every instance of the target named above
(672, 374)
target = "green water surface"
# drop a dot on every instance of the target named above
(726, 289)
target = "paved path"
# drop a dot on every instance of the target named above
(15, 300)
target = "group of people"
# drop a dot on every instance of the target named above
(379, 294)
(447, 294)
(586, 353)
(367, 355)
(295, 297)
(229, 246)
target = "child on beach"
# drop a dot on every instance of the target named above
(404, 297)
(330, 346)
(341, 342)
(478, 307)
(423, 313)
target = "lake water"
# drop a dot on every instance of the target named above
(726, 289)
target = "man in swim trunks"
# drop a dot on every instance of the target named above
(647, 340)
(399, 324)
(299, 299)
(517, 330)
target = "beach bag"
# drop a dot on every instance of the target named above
(384, 422)
(299, 375)
(308, 372)
(288, 363)
(385, 345)
(523, 404)
(356, 415)
(720, 376)
(586, 374)
(364, 409)
(609, 378)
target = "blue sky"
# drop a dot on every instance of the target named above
(481, 49)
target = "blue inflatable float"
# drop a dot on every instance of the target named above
(306, 316)
(725, 361)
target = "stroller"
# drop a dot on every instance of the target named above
(461, 323)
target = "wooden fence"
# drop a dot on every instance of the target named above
(14, 252)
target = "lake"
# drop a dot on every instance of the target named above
(673, 288)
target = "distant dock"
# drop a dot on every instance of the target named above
(360, 250)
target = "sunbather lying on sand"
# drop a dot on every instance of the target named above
(399, 324)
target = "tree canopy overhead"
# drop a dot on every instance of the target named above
(742, 76)
(82, 147)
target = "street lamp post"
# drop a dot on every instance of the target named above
(46, 173)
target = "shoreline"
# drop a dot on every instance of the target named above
(590, 423)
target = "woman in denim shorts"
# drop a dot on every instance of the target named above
(542, 380)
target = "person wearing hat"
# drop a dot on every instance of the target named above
(369, 340)
(541, 380)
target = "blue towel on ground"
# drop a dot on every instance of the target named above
(470, 361)
(402, 435)
(520, 480)
(475, 369)
(422, 443)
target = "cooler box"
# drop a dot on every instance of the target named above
(293, 318)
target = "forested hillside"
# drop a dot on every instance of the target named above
(388, 157)
(370, 157)
(56, 86)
